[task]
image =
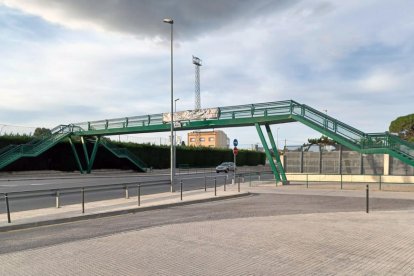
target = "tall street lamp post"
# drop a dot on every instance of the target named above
(172, 156)
(175, 135)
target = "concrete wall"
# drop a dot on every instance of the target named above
(351, 178)
(344, 162)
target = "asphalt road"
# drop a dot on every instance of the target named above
(48, 185)
(256, 205)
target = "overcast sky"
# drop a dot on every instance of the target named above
(79, 60)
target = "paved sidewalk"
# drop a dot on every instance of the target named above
(67, 213)
(313, 244)
(336, 243)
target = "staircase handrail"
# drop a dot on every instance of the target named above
(122, 152)
(323, 120)
(6, 149)
(400, 145)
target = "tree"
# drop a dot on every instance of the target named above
(404, 127)
(322, 141)
(41, 132)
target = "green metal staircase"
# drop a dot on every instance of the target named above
(353, 138)
(35, 147)
(124, 153)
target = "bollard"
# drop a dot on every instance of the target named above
(238, 188)
(259, 177)
(205, 183)
(181, 189)
(307, 182)
(341, 181)
(250, 181)
(215, 186)
(126, 192)
(139, 194)
(6, 197)
(83, 200)
(380, 183)
(57, 199)
(367, 199)
(224, 184)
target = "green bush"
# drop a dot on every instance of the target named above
(61, 157)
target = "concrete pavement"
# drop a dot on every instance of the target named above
(329, 243)
(95, 209)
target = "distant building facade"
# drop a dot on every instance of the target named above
(212, 139)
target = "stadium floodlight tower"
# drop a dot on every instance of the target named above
(197, 63)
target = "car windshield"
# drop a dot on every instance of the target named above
(226, 164)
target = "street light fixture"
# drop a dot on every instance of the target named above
(175, 104)
(172, 156)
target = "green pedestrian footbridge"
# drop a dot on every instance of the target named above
(257, 115)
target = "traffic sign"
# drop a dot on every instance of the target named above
(235, 143)
(235, 151)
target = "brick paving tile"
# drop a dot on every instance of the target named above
(352, 243)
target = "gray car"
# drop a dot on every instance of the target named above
(225, 167)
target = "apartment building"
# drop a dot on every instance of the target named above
(212, 139)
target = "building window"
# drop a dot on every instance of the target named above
(202, 139)
(192, 139)
(211, 139)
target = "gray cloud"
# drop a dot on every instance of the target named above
(143, 18)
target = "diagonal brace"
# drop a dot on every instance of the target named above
(85, 151)
(267, 151)
(279, 165)
(93, 155)
(75, 153)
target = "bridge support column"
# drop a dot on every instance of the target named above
(90, 160)
(93, 155)
(267, 151)
(85, 150)
(279, 164)
(75, 153)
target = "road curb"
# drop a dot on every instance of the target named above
(115, 213)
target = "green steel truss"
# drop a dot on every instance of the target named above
(232, 116)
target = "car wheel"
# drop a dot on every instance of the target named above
(217, 171)
(226, 171)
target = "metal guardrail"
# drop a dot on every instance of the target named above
(82, 190)
(376, 182)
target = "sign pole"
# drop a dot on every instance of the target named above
(235, 151)
(234, 172)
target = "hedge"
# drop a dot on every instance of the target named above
(61, 158)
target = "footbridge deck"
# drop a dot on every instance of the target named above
(224, 117)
